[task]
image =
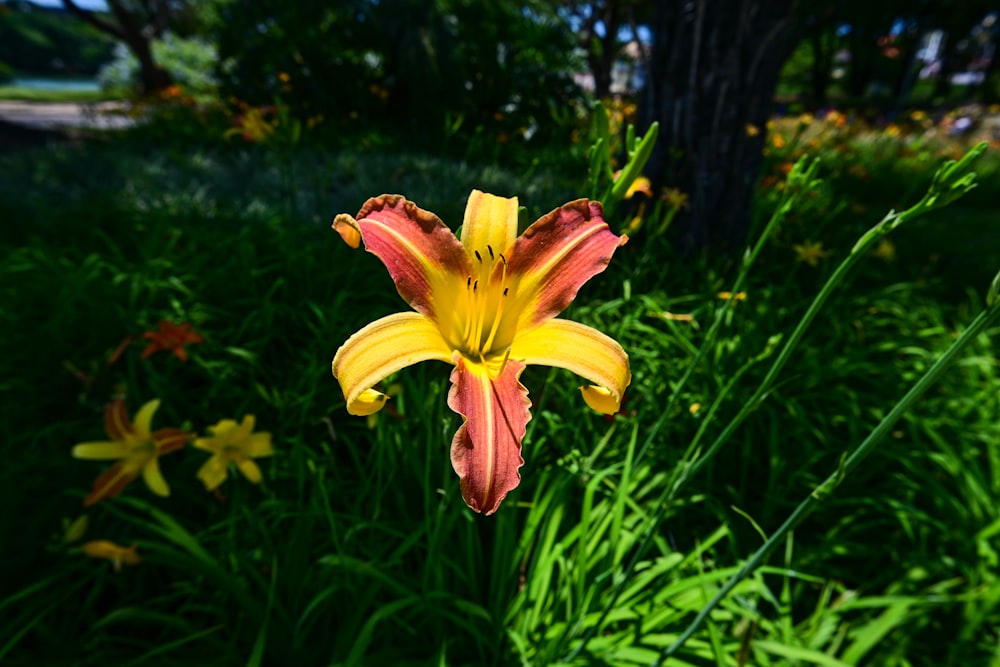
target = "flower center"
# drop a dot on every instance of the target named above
(485, 296)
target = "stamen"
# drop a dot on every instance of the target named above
(491, 252)
(478, 256)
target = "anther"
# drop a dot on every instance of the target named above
(503, 258)
(468, 282)
(475, 285)
(505, 290)
(491, 252)
(478, 256)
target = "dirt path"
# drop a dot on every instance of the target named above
(63, 115)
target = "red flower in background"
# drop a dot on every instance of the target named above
(171, 337)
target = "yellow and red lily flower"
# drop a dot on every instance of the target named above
(487, 304)
(172, 338)
(137, 447)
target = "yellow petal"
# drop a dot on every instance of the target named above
(583, 350)
(383, 347)
(154, 479)
(258, 445)
(489, 221)
(213, 472)
(600, 399)
(100, 450)
(245, 429)
(249, 470)
(144, 419)
(224, 427)
(348, 229)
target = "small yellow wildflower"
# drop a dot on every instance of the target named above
(695, 408)
(117, 554)
(675, 198)
(892, 130)
(752, 130)
(811, 252)
(233, 443)
(885, 250)
(739, 296)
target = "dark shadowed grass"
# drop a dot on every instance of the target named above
(357, 548)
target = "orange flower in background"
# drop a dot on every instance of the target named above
(137, 447)
(172, 338)
(117, 554)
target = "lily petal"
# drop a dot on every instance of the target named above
(486, 450)
(170, 439)
(383, 347)
(116, 422)
(154, 478)
(100, 450)
(245, 428)
(583, 350)
(259, 445)
(250, 470)
(556, 255)
(213, 472)
(419, 251)
(489, 221)
(144, 419)
(110, 483)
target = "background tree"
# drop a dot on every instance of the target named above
(712, 81)
(136, 23)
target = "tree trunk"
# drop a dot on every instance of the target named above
(713, 77)
(137, 38)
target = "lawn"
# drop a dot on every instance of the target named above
(356, 547)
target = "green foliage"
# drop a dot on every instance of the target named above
(472, 76)
(40, 42)
(189, 60)
(357, 548)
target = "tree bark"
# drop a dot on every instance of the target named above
(714, 74)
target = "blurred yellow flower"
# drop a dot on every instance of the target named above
(675, 198)
(117, 554)
(233, 443)
(892, 130)
(253, 125)
(885, 250)
(811, 252)
(752, 130)
(640, 184)
(778, 141)
(694, 408)
(739, 296)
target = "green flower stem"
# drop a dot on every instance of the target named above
(943, 363)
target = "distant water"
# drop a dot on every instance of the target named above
(38, 83)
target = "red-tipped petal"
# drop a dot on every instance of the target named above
(419, 251)
(556, 255)
(116, 421)
(486, 450)
(170, 439)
